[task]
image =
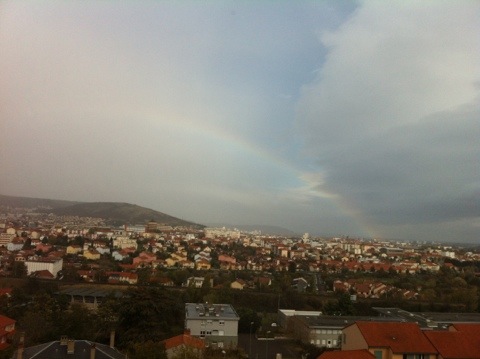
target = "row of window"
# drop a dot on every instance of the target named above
(328, 331)
(325, 343)
(210, 322)
(211, 332)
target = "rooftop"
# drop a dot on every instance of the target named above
(57, 350)
(206, 310)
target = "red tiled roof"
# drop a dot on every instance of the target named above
(43, 274)
(184, 339)
(454, 345)
(6, 321)
(347, 354)
(5, 291)
(467, 327)
(400, 337)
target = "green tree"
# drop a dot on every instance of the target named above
(147, 350)
(19, 269)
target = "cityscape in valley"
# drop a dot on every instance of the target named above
(239, 179)
(242, 291)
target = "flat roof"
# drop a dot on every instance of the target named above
(339, 322)
(210, 311)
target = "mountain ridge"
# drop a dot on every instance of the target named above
(116, 213)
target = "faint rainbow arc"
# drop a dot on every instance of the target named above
(210, 132)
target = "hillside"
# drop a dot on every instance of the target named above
(122, 213)
(113, 212)
(27, 202)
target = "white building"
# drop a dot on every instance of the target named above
(216, 323)
(125, 242)
(53, 265)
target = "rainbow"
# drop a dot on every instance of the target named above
(238, 144)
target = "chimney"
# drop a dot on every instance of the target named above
(63, 340)
(92, 351)
(112, 339)
(70, 346)
(20, 351)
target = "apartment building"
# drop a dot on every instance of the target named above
(217, 324)
(53, 265)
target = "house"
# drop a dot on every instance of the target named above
(196, 282)
(238, 284)
(92, 254)
(16, 244)
(7, 330)
(122, 277)
(42, 274)
(324, 331)
(202, 264)
(300, 284)
(6, 292)
(263, 282)
(183, 343)
(347, 354)
(454, 345)
(217, 324)
(74, 249)
(69, 348)
(388, 340)
(53, 265)
(120, 255)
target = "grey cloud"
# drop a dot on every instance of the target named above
(392, 117)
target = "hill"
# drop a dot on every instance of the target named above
(116, 213)
(120, 213)
(27, 202)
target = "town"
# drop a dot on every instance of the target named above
(307, 289)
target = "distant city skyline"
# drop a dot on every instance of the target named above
(357, 118)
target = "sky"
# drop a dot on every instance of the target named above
(356, 118)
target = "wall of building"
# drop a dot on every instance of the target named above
(352, 338)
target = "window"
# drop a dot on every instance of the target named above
(378, 354)
(221, 322)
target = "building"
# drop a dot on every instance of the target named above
(69, 348)
(462, 340)
(90, 296)
(388, 340)
(324, 331)
(7, 330)
(347, 354)
(217, 324)
(184, 343)
(53, 265)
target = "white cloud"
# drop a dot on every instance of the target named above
(398, 88)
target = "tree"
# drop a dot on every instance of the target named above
(147, 350)
(19, 269)
(148, 313)
(248, 316)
